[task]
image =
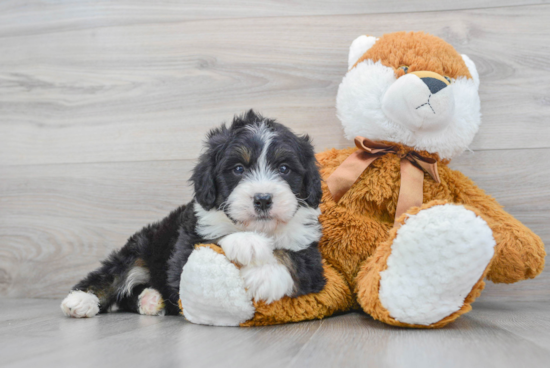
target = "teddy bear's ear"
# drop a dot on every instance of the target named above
(472, 68)
(358, 47)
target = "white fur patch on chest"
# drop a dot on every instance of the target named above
(297, 234)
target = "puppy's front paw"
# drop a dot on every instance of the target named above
(269, 282)
(79, 304)
(248, 248)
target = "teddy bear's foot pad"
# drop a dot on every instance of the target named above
(436, 259)
(212, 291)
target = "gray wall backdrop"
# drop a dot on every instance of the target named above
(104, 104)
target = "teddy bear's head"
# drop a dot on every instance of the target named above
(410, 88)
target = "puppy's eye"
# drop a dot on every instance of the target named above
(283, 169)
(238, 170)
(404, 68)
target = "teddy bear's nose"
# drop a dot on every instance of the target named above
(435, 85)
(434, 81)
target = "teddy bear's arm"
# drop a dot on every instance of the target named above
(520, 252)
(335, 297)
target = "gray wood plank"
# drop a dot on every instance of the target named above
(356, 340)
(492, 335)
(133, 340)
(59, 15)
(529, 320)
(134, 92)
(58, 221)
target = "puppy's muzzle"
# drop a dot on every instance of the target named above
(263, 202)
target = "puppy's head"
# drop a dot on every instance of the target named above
(258, 172)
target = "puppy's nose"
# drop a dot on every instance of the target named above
(262, 201)
(435, 85)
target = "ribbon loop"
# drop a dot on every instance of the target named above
(412, 169)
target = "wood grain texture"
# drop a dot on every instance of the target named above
(58, 221)
(492, 335)
(355, 340)
(131, 92)
(104, 104)
(20, 17)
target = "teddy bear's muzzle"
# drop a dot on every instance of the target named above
(421, 102)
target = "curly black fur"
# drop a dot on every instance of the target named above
(163, 248)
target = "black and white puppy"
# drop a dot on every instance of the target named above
(257, 191)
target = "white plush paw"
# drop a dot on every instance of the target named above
(437, 257)
(248, 248)
(150, 303)
(79, 304)
(268, 282)
(212, 291)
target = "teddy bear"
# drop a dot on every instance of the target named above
(405, 238)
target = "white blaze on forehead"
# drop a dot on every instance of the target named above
(262, 179)
(266, 135)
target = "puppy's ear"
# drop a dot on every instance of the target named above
(311, 188)
(204, 176)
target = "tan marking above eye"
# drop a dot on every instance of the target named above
(245, 153)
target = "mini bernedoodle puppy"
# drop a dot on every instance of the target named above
(257, 191)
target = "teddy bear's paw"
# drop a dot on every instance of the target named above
(268, 282)
(79, 304)
(436, 259)
(248, 248)
(212, 291)
(150, 303)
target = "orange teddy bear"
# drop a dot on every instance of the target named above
(405, 238)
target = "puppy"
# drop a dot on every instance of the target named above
(257, 191)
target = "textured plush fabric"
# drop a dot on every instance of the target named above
(336, 296)
(366, 257)
(355, 226)
(358, 227)
(383, 98)
(212, 291)
(418, 51)
(358, 234)
(368, 280)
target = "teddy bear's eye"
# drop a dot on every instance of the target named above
(404, 68)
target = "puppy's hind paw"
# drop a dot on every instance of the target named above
(150, 303)
(79, 304)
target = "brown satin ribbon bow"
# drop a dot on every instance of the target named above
(413, 166)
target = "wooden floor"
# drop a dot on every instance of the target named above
(103, 107)
(104, 104)
(33, 333)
